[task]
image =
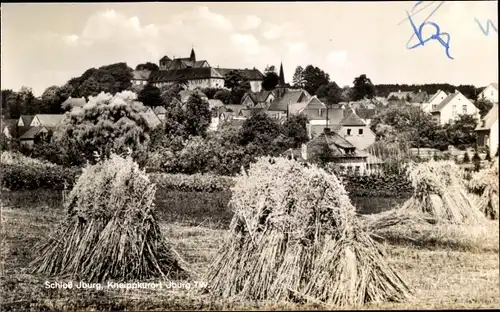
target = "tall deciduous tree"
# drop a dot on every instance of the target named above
(314, 78)
(295, 128)
(363, 87)
(270, 81)
(298, 77)
(330, 92)
(150, 96)
(108, 123)
(270, 69)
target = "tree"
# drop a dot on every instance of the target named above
(484, 106)
(298, 77)
(363, 87)
(270, 81)
(476, 160)
(170, 92)
(232, 79)
(108, 123)
(270, 69)
(259, 130)
(190, 119)
(239, 91)
(89, 87)
(461, 132)
(324, 155)
(197, 116)
(331, 92)
(466, 158)
(148, 66)
(210, 92)
(224, 96)
(346, 94)
(150, 96)
(295, 128)
(314, 77)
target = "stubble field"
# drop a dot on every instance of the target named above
(448, 267)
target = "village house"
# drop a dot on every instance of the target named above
(150, 117)
(487, 130)
(160, 111)
(140, 77)
(261, 99)
(436, 99)
(27, 139)
(366, 114)
(280, 107)
(490, 93)
(345, 154)
(354, 130)
(452, 106)
(70, 103)
(253, 76)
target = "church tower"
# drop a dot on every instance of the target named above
(281, 88)
(281, 82)
(192, 57)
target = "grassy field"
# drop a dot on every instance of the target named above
(448, 267)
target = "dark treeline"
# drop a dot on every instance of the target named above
(470, 91)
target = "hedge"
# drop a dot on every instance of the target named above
(192, 183)
(22, 177)
(394, 185)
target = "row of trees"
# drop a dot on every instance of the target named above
(410, 127)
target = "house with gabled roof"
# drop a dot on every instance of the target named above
(149, 116)
(140, 77)
(46, 120)
(432, 103)
(487, 130)
(279, 107)
(345, 154)
(253, 76)
(490, 93)
(27, 139)
(355, 130)
(452, 106)
(260, 99)
(160, 111)
(25, 120)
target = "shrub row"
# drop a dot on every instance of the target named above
(22, 177)
(394, 185)
(192, 183)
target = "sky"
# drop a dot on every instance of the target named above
(46, 44)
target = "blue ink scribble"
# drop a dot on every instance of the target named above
(486, 31)
(437, 36)
(418, 31)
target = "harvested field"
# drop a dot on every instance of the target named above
(443, 273)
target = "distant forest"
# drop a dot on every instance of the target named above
(470, 91)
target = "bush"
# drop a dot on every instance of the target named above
(466, 158)
(388, 185)
(192, 183)
(22, 177)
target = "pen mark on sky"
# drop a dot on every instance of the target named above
(486, 31)
(418, 31)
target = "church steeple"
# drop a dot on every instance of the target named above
(281, 82)
(192, 56)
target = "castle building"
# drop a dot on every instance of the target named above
(198, 74)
